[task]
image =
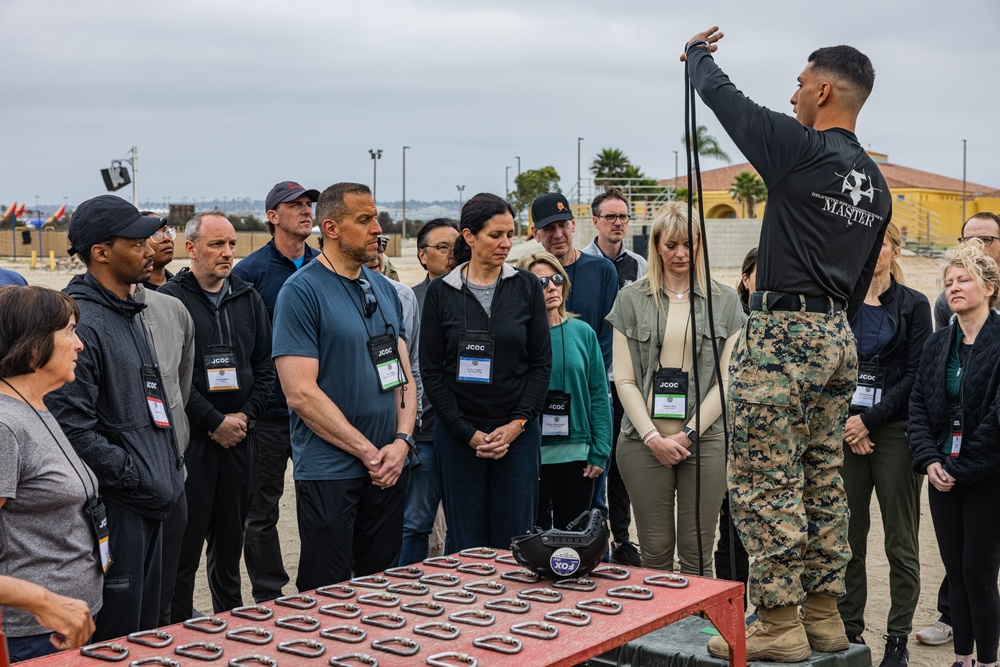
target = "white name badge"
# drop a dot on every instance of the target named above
(669, 406)
(222, 379)
(555, 425)
(389, 374)
(474, 369)
(158, 412)
(866, 396)
(105, 553)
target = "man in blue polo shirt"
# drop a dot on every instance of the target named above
(290, 221)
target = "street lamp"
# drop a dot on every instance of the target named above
(404, 191)
(506, 182)
(579, 140)
(461, 189)
(376, 154)
(518, 158)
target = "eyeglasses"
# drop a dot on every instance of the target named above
(443, 248)
(556, 279)
(161, 235)
(367, 297)
(987, 240)
(383, 243)
(611, 219)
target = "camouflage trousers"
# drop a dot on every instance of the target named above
(791, 380)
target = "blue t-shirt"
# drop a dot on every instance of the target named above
(320, 315)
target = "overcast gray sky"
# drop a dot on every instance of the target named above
(224, 98)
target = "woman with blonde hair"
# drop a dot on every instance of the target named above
(953, 438)
(576, 419)
(654, 369)
(890, 329)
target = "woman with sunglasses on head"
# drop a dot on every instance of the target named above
(667, 425)
(485, 360)
(576, 417)
(890, 329)
(954, 433)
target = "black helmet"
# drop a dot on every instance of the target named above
(561, 554)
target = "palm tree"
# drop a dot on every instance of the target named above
(610, 163)
(708, 146)
(748, 189)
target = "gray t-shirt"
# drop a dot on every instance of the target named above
(483, 294)
(45, 534)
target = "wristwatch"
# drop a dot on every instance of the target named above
(407, 438)
(691, 434)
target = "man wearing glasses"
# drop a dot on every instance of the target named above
(341, 354)
(435, 243)
(162, 243)
(610, 213)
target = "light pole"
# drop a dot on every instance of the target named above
(963, 181)
(675, 170)
(404, 191)
(376, 154)
(461, 189)
(518, 158)
(39, 214)
(579, 140)
(506, 182)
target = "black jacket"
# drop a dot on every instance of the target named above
(104, 413)
(930, 424)
(522, 357)
(242, 322)
(911, 319)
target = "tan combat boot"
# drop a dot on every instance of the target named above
(777, 635)
(822, 621)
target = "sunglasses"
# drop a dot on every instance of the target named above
(367, 297)
(556, 279)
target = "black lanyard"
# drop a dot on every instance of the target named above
(361, 314)
(468, 291)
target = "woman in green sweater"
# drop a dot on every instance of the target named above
(576, 419)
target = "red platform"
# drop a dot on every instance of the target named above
(721, 601)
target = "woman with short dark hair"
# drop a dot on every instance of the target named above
(485, 358)
(48, 521)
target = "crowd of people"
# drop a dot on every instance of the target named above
(149, 417)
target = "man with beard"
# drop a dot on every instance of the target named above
(341, 355)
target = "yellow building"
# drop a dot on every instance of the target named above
(927, 207)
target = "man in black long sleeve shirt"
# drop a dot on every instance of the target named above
(793, 373)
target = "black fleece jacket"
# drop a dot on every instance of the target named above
(930, 424)
(911, 319)
(242, 322)
(522, 357)
(103, 412)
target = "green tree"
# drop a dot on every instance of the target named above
(748, 189)
(532, 183)
(708, 146)
(610, 163)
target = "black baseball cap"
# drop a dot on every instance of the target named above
(548, 208)
(102, 217)
(287, 191)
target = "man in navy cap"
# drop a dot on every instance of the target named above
(290, 221)
(117, 413)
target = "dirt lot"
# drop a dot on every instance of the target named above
(922, 274)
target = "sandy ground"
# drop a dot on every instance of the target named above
(922, 274)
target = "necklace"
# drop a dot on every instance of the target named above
(678, 293)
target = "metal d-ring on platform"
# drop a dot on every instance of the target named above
(573, 617)
(441, 659)
(298, 601)
(631, 592)
(441, 579)
(522, 576)
(118, 652)
(164, 638)
(512, 605)
(363, 658)
(486, 587)
(385, 619)
(667, 580)
(211, 624)
(478, 617)
(600, 605)
(265, 660)
(499, 643)
(193, 650)
(371, 581)
(438, 630)
(506, 559)
(449, 562)
(312, 648)
(337, 591)
(479, 552)
(541, 595)
(610, 572)
(461, 597)
(300, 622)
(380, 599)
(482, 569)
(155, 660)
(397, 645)
(350, 634)
(251, 635)
(576, 584)
(536, 629)
(423, 608)
(341, 610)
(408, 588)
(253, 612)
(405, 572)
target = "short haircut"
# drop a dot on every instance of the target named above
(193, 227)
(986, 215)
(331, 204)
(610, 192)
(969, 255)
(436, 223)
(850, 66)
(29, 318)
